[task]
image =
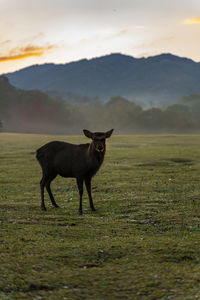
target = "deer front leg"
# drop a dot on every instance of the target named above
(42, 184)
(80, 188)
(88, 187)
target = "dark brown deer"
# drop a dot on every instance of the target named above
(68, 160)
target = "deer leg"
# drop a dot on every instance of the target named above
(42, 184)
(80, 188)
(88, 187)
(48, 183)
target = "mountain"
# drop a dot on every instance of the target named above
(157, 80)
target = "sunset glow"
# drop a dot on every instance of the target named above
(29, 51)
(60, 31)
(192, 21)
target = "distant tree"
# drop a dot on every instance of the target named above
(189, 106)
(31, 111)
(1, 125)
(122, 114)
(151, 119)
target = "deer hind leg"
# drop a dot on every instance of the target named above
(47, 185)
(88, 187)
(45, 182)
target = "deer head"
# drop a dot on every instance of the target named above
(98, 139)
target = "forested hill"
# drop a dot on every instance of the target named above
(30, 111)
(150, 81)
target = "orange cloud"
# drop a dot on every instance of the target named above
(192, 21)
(22, 53)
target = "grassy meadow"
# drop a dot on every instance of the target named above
(143, 242)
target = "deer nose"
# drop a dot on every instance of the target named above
(100, 148)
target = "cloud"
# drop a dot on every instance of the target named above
(22, 53)
(3, 43)
(192, 21)
(156, 43)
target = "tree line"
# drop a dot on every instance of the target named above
(36, 112)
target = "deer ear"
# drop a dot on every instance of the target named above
(108, 133)
(87, 133)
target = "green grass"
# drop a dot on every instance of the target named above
(142, 243)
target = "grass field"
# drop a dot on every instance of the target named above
(142, 243)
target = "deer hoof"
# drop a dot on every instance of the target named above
(56, 206)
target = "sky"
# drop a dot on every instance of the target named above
(60, 31)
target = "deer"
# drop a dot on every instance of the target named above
(72, 161)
